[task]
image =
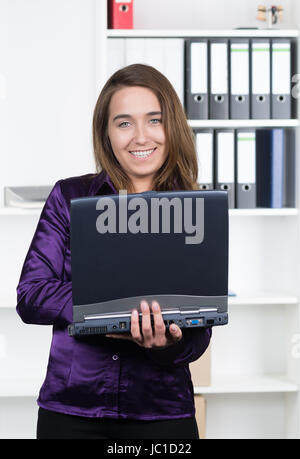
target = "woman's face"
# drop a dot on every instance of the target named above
(136, 134)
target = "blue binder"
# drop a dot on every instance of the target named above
(270, 159)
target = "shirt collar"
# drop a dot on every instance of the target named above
(101, 182)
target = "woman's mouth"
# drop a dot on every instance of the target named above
(142, 154)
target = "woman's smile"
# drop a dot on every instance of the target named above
(143, 155)
(137, 136)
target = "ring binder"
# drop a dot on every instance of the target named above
(196, 55)
(260, 79)
(205, 156)
(245, 169)
(225, 163)
(239, 79)
(219, 103)
(281, 79)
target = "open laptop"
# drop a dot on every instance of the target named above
(171, 247)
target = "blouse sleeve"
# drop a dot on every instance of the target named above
(193, 344)
(42, 295)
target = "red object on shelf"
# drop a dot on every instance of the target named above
(120, 14)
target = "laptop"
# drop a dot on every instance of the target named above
(168, 246)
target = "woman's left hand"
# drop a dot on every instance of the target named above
(147, 338)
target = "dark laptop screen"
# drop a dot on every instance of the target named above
(143, 251)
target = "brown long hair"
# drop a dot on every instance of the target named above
(180, 169)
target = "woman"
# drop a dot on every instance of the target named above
(136, 385)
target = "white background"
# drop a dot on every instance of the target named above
(50, 68)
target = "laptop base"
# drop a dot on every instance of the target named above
(122, 323)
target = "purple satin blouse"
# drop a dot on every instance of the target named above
(97, 376)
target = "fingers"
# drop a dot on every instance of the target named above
(135, 327)
(145, 336)
(158, 338)
(175, 332)
(146, 324)
(159, 325)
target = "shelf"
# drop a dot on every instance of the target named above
(238, 384)
(15, 211)
(262, 299)
(20, 387)
(174, 33)
(234, 384)
(9, 299)
(284, 212)
(233, 124)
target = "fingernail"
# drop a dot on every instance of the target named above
(173, 327)
(144, 306)
(155, 307)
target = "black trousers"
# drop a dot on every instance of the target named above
(53, 425)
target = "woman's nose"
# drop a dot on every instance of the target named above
(140, 134)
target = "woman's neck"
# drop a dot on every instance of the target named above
(139, 186)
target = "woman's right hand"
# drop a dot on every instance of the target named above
(147, 337)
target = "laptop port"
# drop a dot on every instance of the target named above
(194, 321)
(122, 325)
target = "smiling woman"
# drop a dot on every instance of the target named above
(141, 135)
(139, 142)
(137, 384)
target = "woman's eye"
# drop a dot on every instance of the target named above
(124, 123)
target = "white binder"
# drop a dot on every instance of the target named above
(205, 157)
(225, 163)
(174, 60)
(154, 53)
(246, 169)
(281, 79)
(134, 51)
(26, 197)
(260, 79)
(219, 103)
(115, 55)
(239, 79)
(166, 55)
(196, 77)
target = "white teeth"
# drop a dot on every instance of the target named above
(142, 154)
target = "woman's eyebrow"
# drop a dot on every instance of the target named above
(125, 115)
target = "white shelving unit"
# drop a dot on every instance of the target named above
(268, 305)
(255, 364)
(152, 33)
(13, 212)
(243, 123)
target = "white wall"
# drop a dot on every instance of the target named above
(50, 89)
(48, 62)
(47, 97)
(205, 14)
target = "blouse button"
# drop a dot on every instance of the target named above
(115, 357)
